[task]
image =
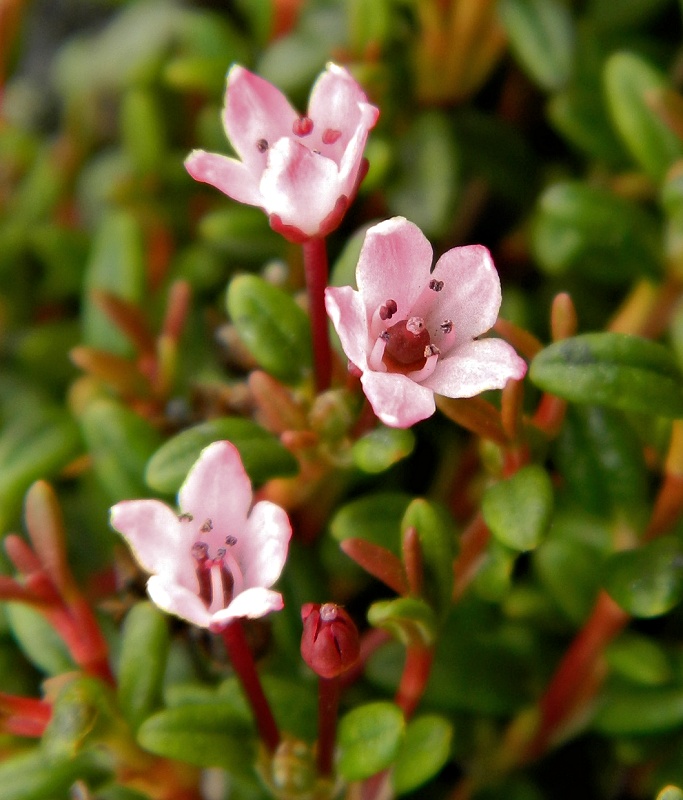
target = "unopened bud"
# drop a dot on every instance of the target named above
(330, 644)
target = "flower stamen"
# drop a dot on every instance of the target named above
(435, 286)
(331, 135)
(388, 310)
(302, 126)
(200, 553)
(262, 145)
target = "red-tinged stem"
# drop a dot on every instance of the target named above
(414, 679)
(315, 267)
(378, 562)
(243, 663)
(473, 543)
(576, 668)
(328, 706)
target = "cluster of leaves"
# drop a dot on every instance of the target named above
(549, 534)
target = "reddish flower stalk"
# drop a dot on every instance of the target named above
(315, 266)
(243, 662)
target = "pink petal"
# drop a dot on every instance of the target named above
(255, 110)
(256, 602)
(265, 542)
(228, 175)
(346, 309)
(398, 401)
(300, 186)
(156, 538)
(394, 263)
(339, 104)
(353, 155)
(178, 600)
(476, 367)
(471, 295)
(217, 489)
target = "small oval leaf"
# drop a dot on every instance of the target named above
(424, 750)
(611, 369)
(272, 326)
(368, 739)
(518, 510)
(262, 453)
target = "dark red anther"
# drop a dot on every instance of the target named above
(388, 310)
(262, 145)
(330, 644)
(302, 126)
(331, 135)
(435, 286)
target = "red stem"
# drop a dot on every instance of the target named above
(414, 679)
(328, 706)
(315, 267)
(243, 662)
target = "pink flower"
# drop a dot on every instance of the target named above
(302, 171)
(215, 560)
(412, 332)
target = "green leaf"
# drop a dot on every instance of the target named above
(241, 232)
(116, 265)
(427, 174)
(368, 739)
(670, 793)
(639, 659)
(383, 447)
(635, 13)
(631, 86)
(626, 710)
(142, 130)
(542, 37)
(212, 735)
(39, 641)
(423, 752)
(262, 454)
(120, 443)
(601, 460)
(570, 572)
(436, 536)
(518, 510)
(32, 776)
(142, 662)
(273, 327)
(590, 230)
(494, 573)
(376, 518)
(611, 369)
(409, 619)
(647, 581)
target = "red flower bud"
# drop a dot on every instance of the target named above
(330, 644)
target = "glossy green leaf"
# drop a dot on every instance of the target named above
(383, 447)
(423, 752)
(601, 460)
(275, 330)
(142, 130)
(375, 517)
(436, 537)
(542, 37)
(142, 662)
(120, 443)
(31, 776)
(570, 572)
(670, 793)
(647, 581)
(631, 86)
(116, 265)
(212, 735)
(38, 640)
(368, 739)
(493, 579)
(518, 510)
(241, 232)
(589, 230)
(409, 619)
(627, 710)
(611, 369)
(262, 453)
(427, 174)
(639, 659)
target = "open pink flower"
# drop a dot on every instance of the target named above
(412, 332)
(215, 560)
(302, 171)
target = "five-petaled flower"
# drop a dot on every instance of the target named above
(412, 332)
(214, 561)
(302, 170)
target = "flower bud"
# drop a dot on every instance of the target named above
(330, 644)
